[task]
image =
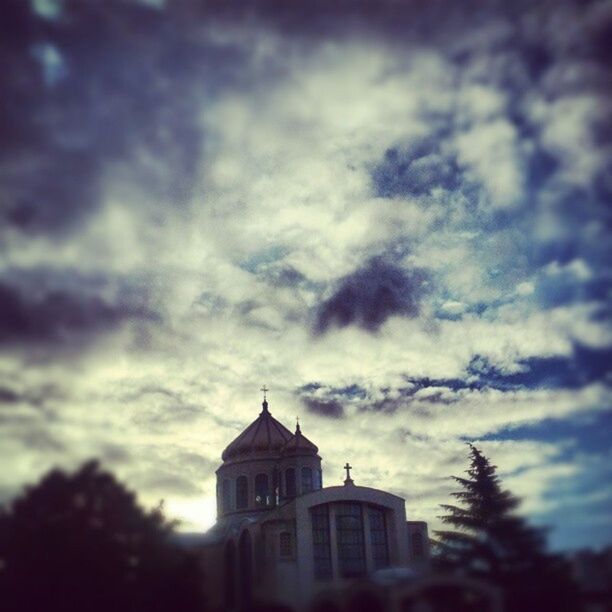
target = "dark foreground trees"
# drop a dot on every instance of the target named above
(488, 540)
(80, 542)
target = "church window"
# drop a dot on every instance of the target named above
(349, 535)
(262, 493)
(318, 479)
(275, 487)
(242, 492)
(307, 484)
(285, 544)
(418, 549)
(378, 538)
(321, 542)
(226, 492)
(290, 482)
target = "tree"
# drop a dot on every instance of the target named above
(81, 542)
(490, 541)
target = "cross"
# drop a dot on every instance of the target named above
(265, 390)
(348, 469)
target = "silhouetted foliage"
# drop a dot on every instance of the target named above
(489, 541)
(80, 542)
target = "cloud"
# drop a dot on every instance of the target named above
(489, 152)
(330, 407)
(98, 93)
(584, 366)
(35, 312)
(190, 192)
(370, 295)
(415, 171)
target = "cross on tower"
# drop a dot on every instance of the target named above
(348, 469)
(265, 390)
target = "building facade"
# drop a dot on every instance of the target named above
(282, 537)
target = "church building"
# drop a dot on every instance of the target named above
(282, 537)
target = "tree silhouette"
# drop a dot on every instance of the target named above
(81, 542)
(490, 541)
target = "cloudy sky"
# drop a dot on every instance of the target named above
(396, 216)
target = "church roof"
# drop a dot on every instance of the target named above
(299, 444)
(264, 434)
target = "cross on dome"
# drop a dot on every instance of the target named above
(348, 469)
(264, 404)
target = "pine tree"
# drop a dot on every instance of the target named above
(488, 540)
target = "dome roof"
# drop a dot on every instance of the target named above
(264, 434)
(299, 444)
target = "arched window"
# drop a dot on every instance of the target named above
(262, 493)
(285, 544)
(226, 496)
(242, 492)
(307, 485)
(418, 549)
(290, 482)
(275, 492)
(349, 536)
(318, 479)
(378, 538)
(321, 542)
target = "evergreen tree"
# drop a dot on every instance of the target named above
(488, 540)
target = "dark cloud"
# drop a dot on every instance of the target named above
(329, 401)
(369, 296)
(8, 396)
(112, 88)
(325, 407)
(31, 313)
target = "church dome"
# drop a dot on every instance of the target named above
(299, 444)
(264, 435)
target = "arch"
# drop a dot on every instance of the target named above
(379, 543)
(242, 493)
(229, 575)
(226, 492)
(350, 539)
(307, 484)
(321, 537)
(262, 490)
(245, 563)
(290, 482)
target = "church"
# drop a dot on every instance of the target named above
(282, 537)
